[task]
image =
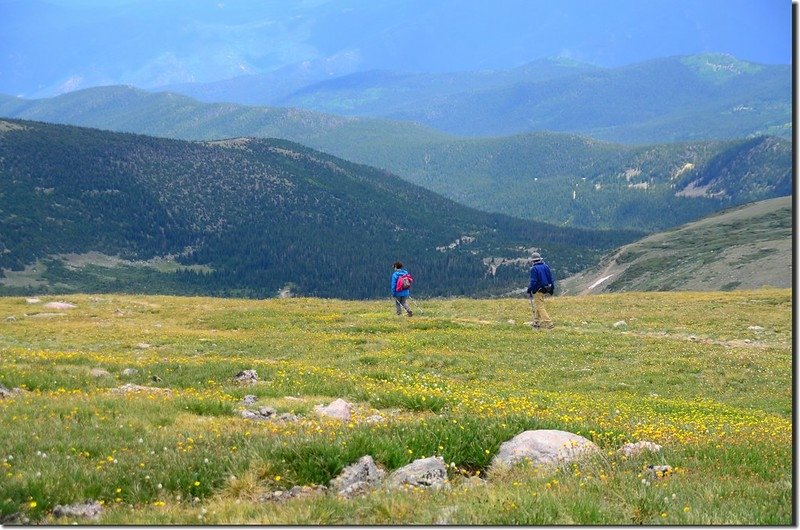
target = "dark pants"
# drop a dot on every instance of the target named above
(400, 304)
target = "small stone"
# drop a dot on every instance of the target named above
(32, 300)
(155, 379)
(375, 418)
(634, 449)
(59, 305)
(129, 387)
(659, 471)
(295, 492)
(264, 413)
(620, 324)
(142, 346)
(755, 328)
(99, 372)
(127, 372)
(89, 510)
(249, 399)
(248, 377)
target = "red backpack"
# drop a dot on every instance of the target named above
(404, 282)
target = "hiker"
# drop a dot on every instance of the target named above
(541, 283)
(401, 289)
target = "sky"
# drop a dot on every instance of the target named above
(49, 47)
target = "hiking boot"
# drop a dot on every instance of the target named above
(410, 313)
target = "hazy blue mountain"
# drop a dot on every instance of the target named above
(48, 47)
(701, 97)
(259, 215)
(562, 179)
(366, 92)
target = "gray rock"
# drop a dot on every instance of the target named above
(127, 372)
(755, 328)
(375, 418)
(249, 399)
(294, 493)
(99, 372)
(658, 472)
(5, 393)
(11, 318)
(15, 519)
(620, 324)
(634, 449)
(339, 409)
(89, 510)
(59, 305)
(544, 447)
(424, 472)
(264, 413)
(32, 300)
(129, 387)
(286, 416)
(247, 377)
(358, 477)
(142, 346)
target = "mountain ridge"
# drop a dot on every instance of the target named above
(584, 182)
(261, 214)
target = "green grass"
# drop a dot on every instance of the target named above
(456, 380)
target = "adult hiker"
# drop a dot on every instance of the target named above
(541, 284)
(401, 288)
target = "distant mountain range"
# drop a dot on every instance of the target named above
(246, 217)
(560, 179)
(686, 98)
(748, 247)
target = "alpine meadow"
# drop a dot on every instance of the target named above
(418, 262)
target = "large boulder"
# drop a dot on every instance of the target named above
(424, 472)
(544, 447)
(358, 477)
(339, 409)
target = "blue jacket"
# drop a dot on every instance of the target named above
(395, 276)
(541, 277)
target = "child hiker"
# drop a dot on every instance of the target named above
(401, 288)
(541, 283)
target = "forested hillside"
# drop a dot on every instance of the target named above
(554, 178)
(260, 215)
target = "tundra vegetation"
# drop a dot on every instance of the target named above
(705, 375)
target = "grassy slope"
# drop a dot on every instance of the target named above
(743, 248)
(456, 380)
